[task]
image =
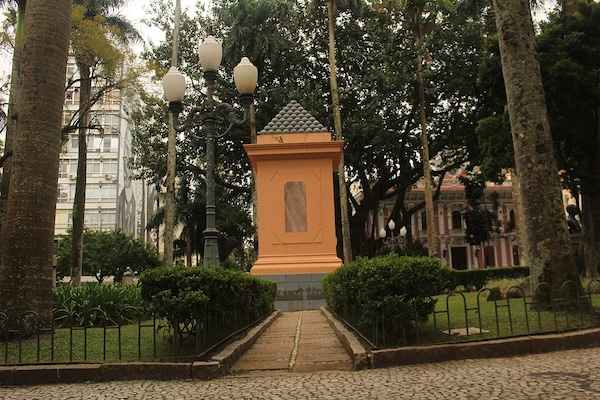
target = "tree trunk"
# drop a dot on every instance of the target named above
(28, 232)
(544, 222)
(85, 94)
(171, 160)
(11, 121)
(523, 251)
(429, 212)
(337, 120)
(188, 246)
(590, 250)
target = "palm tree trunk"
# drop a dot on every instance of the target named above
(544, 222)
(11, 123)
(337, 120)
(28, 232)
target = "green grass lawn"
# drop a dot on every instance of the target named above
(489, 319)
(130, 343)
(484, 319)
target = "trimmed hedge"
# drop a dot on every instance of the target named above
(392, 290)
(180, 294)
(478, 278)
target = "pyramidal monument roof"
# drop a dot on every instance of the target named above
(293, 118)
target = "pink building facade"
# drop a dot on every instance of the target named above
(454, 251)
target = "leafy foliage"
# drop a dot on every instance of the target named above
(107, 253)
(569, 48)
(93, 304)
(395, 291)
(480, 222)
(377, 87)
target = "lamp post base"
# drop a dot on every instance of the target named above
(211, 249)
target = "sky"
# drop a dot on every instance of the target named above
(135, 12)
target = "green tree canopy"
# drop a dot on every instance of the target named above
(107, 253)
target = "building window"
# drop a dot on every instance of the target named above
(511, 221)
(456, 220)
(92, 193)
(93, 168)
(515, 252)
(98, 192)
(67, 116)
(489, 256)
(111, 121)
(71, 96)
(74, 143)
(108, 193)
(110, 143)
(63, 168)
(110, 167)
(94, 143)
(63, 193)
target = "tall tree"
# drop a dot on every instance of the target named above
(11, 125)
(569, 52)
(545, 226)
(28, 233)
(332, 7)
(382, 109)
(169, 208)
(414, 10)
(94, 28)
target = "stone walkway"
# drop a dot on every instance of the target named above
(299, 341)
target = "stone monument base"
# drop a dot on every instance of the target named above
(296, 292)
(295, 264)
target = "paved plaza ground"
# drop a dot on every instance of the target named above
(571, 374)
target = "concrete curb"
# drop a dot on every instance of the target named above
(496, 348)
(161, 371)
(357, 351)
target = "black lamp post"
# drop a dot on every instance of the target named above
(212, 114)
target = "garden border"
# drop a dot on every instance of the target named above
(220, 363)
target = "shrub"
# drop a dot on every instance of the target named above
(478, 278)
(181, 294)
(94, 304)
(393, 290)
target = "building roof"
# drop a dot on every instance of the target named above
(293, 118)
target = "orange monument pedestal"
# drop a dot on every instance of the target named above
(294, 159)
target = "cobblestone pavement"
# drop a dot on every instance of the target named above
(561, 375)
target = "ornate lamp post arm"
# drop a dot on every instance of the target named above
(212, 115)
(392, 241)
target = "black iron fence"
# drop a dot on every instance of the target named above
(485, 314)
(133, 335)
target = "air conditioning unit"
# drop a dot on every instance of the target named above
(72, 177)
(109, 177)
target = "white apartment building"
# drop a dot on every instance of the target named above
(113, 200)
